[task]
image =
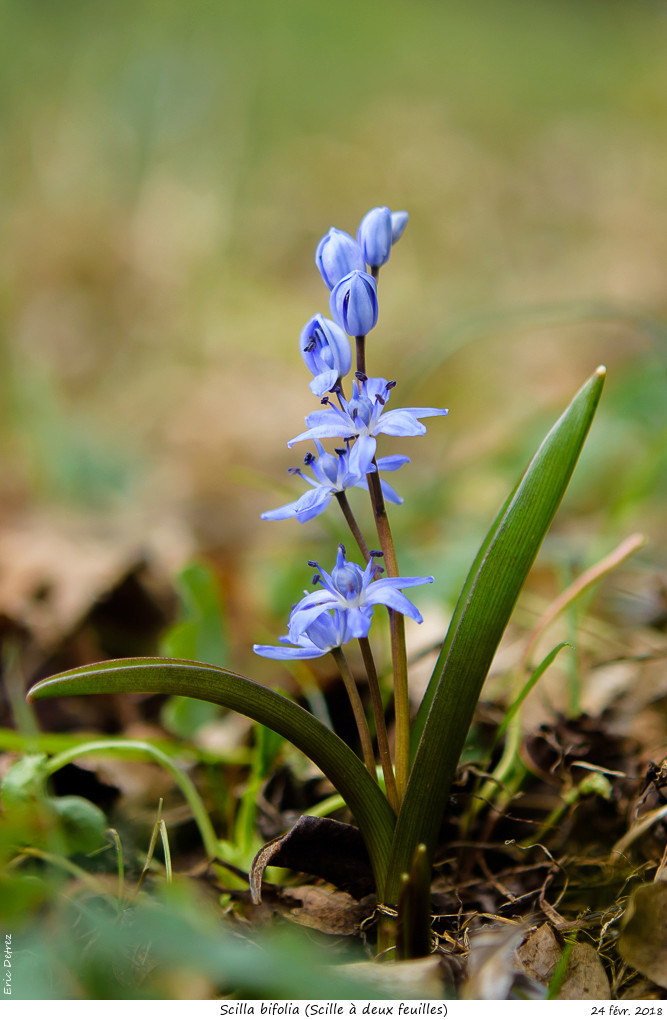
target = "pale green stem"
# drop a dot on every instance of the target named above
(354, 527)
(357, 710)
(380, 724)
(398, 648)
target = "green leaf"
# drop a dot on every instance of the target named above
(83, 825)
(221, 687)
(199, 634)
(481, 615)
(24, 781)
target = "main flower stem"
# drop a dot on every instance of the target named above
(361, 354)
(380, 724)
(354, 527)
(398, 648)
(357, 710)
(399, 655)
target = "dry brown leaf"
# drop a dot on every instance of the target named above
(540, 953)
(319, 846)
(491, 969)
(52, 571)
(328, 910)
(49, 577)
(585, 977)
(643, 940)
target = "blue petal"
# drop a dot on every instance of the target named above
(425, 412)
(301, 619)
(286, 652)
(359, 622)
(390, 493)
(321, 432)
(394, 599)
(400, 423)
(305, 508)
(400, 582)
(324, 383)
(392, 463)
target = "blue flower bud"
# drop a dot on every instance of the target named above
(326, 350)
(354, 303)
(374, 236)
(336, 255)
(399, 222)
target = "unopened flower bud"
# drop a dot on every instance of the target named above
(399, 221)
(374, 236)
(354, 303)
(336, 255)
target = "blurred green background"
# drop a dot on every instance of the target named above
(168, 168)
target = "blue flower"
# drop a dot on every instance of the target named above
(335, 474)
(399, 221)
(378, 231)
(374, 236)
(336, 255)
(328, 631)
(356, 591)
(354, 303)
(364, 416)
(326, 350)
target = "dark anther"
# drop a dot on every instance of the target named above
(341, 451)
(361, 376)
(294, 471)
(342, 549)
(376, 552)
(325, 400)
(309, 458)
(348, 439)
(316, 579)
(313, 563)
(381, 400)
(310, 346)
(390, 385)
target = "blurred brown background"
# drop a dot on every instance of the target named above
(168, 169)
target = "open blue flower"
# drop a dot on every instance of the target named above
(328, 631)
(355, 591)
(326, 350)
(335, 473)
(364, 416)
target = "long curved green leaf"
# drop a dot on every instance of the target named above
(484, 608)
(221, 687)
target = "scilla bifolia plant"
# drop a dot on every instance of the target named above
(400, 813)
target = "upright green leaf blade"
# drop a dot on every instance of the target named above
(215, 684)
(484, 608)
